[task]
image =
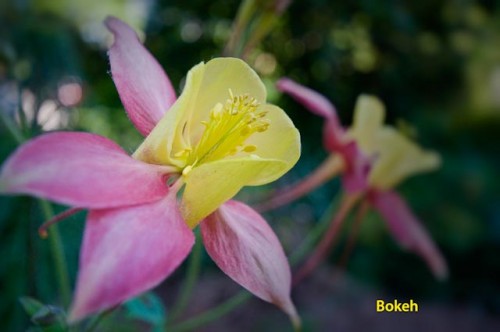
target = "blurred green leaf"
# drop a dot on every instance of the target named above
(47, 318)
(31, 305)
(49, 315)
(148, 308)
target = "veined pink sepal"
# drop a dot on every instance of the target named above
(408, 231)
(127, 251)
(144, 88)
(81, 169)
(243, 245)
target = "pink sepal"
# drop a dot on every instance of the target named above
(334, 137)
(127, 251)
(333, 133)
(81, 169)
(408, 231)
(144, 88)
(243, 245)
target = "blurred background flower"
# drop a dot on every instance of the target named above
(434, 63)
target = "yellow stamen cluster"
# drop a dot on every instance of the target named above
(226, 131)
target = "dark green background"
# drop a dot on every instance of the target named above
(436, 65)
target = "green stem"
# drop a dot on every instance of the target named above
(351, 240)
(245, 13)
(193, 271)
(327, 241)
(263, 24)
(212, 314)
(57, 251)
(243, 296)
(98, 319)
(315, 234)
(12, 128)
(23, 121)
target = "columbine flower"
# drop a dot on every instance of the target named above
(217, 137)
(373, 158)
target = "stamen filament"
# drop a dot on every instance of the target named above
(226, 131)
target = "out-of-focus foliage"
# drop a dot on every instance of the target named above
(436, 65)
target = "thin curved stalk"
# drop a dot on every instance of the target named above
(326, 243)
(12, 128)
(91, 327)
(212, 314)
(315, 234)
(57, 251)
(56, 247)
(245, 13)
(193, 271)
(353, 236)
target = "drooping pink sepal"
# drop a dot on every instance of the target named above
(333, 133)
(144, 88)
(312, 100)
(408, 231)
(334, 136)
(127, 251)
(243, 245)
(81, 169)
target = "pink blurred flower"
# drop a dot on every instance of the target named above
(372, 159)
(137, 233)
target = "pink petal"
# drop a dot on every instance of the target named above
(144, 88)
(319, 105)
(80, 169)
(244, 246)
(127, 251)
(408, 231)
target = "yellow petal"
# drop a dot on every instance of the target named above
(222, 74)
(399, 158)
(166, 138)
(206, 86)
(280, 141)
(369, 116)
(211, 184)
(216, 164)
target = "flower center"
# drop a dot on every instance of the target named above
(226, 131)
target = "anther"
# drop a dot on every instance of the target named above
(262, 127)
(183, 153)
(216, 112)
(245, 131)
(249, 148)
(230, 123)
